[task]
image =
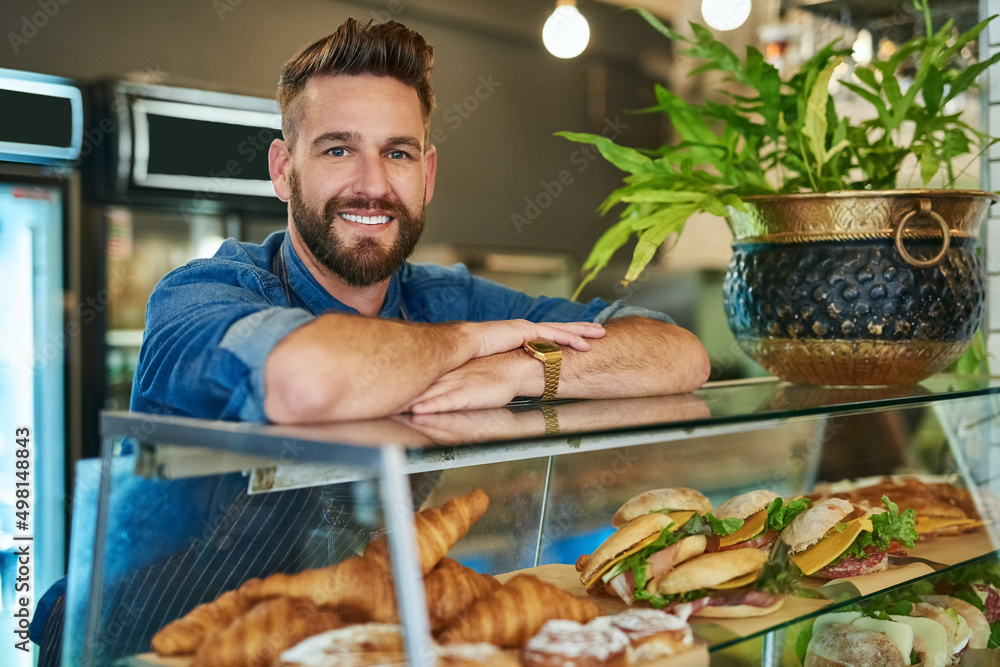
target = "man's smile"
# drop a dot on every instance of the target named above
(366, 219)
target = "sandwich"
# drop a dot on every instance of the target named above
(832, 539)
(942, 508)
(724, 584)
(637, 555)
(851, 638)
(764, 515)
(979, 585)
(965, 624)
(934, 631)
(679, 503)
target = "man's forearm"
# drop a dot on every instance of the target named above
(350, 367)
(637, 357)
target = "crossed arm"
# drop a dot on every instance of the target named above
(380, 367)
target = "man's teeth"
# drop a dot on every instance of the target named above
(366, 219)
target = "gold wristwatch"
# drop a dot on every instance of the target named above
(549, 354)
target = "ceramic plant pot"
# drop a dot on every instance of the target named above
(857, 288)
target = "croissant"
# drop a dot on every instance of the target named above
(516, 611)
(438, 529)
(257, 638)
(358, 588)
(450, 588)
(186, 634)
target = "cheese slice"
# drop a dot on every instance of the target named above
(830, 547)
(928, 524)
(679, 518)
(899, 634)
(934, 636)
(639, 546)
(751, 526)
(745, 580)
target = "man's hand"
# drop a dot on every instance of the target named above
(494, 337)
(485, 382)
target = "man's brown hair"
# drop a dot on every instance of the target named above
(380, 49)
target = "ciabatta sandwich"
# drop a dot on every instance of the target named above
(644, 549)
(848, 638)
(718, 585)
(832, 540)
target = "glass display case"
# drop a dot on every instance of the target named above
(179, 511)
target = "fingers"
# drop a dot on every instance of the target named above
(574, 334)
(507, 335)
(445, 402)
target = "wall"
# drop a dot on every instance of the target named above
(504, 180)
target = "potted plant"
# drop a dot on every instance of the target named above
(837, 276)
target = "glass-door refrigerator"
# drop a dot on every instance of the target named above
(177, 172)
(40, 138)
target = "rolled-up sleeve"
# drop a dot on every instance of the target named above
(620, 308)
(250, 339)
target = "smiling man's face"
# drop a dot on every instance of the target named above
(359, 175)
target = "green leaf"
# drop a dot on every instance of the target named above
(933, 90)
(658, 25)
(626, 159)
(839, 146)
(894, 525)
(929, 162)
(963, 81)
(779, 514)
(802, 642)
(650, 239)
(724, 526)
(994, 641)
(816, 121)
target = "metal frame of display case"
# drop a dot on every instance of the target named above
(262, 446)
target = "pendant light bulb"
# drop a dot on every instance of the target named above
(566, 32)
(725, 14)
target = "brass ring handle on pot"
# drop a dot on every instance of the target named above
(925, 211)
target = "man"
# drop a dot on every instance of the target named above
(328, 322)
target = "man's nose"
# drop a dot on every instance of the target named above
(372, 180)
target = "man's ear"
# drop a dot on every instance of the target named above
(279, 163)
(430, 164)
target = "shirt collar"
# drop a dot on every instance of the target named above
(316, 299)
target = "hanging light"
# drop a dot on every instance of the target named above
(725, 14)
(566, 32)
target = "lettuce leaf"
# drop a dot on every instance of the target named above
(779, 576)
(780, 514)
(724, 526)
(887, 527)
(894, 526)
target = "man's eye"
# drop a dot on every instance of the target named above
(398, 155)
(339, 151)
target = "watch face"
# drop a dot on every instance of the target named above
(544, 346)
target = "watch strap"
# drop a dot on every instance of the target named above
(552, 369)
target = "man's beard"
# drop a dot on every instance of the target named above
(366, 262)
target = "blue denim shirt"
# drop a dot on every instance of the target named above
(211, 323)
